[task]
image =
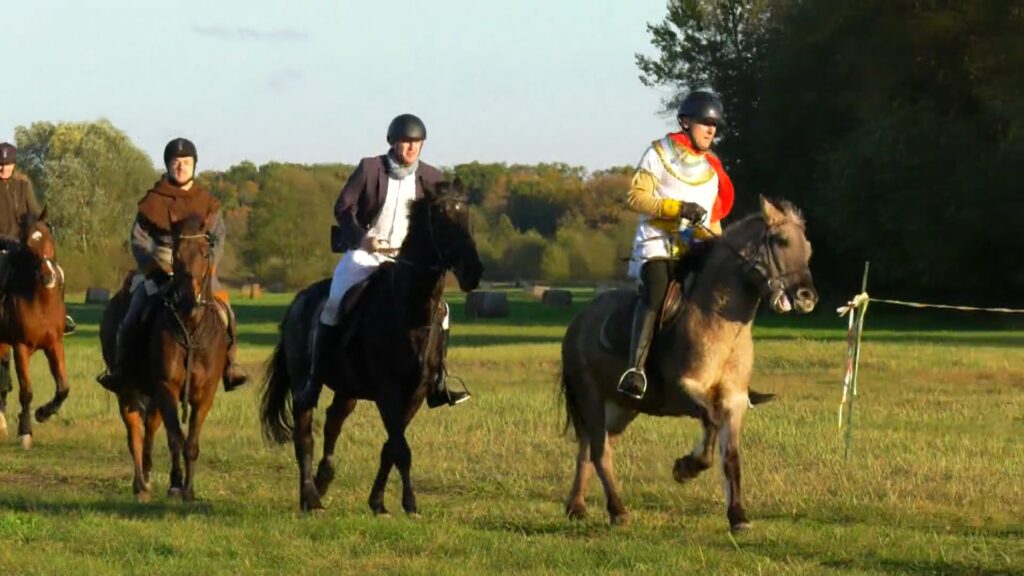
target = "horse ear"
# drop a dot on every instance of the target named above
(457, 186)
(42, 215)
(773, 215)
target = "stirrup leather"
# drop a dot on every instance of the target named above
(630, 392)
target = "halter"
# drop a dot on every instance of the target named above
(208, 269)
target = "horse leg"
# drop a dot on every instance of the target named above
(729, 445)
(22, 356)
(133, 424)
(302, 436)
(5, 385)
(165, 399)
(601, 456)
(55, 357)
(200, 408)
(153, 420)
(336, 414)
(403, 459)
(700, 459)
(575, 506)
(381, 481)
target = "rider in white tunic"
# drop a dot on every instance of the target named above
(373, 219)
(678, 184)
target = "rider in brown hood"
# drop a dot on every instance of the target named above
(175, 197)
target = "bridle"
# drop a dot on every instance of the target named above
(770, 275)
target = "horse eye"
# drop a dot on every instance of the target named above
(780, 240)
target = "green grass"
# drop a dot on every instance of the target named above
(934, 485)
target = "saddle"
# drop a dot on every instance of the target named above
(615, 331)
(349, 312)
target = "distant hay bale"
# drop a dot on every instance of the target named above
(555, 297)
(536, 290)
(486, 304)
(252, 291)
(94, 295)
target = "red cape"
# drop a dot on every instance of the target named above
(726, 193)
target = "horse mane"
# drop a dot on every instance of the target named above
(419, 210)
(191, 224)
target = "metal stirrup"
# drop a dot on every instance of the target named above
(643, 386)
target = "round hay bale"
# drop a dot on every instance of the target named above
(95, 295)
(252, 291)
(486, 304)
(536, 290)
(556, 297)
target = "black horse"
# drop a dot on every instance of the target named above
(389, 352)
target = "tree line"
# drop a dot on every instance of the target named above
(894, 126)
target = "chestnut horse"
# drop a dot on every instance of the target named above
(392, 354)
(181, 358)
(700, 360)
(32, 317)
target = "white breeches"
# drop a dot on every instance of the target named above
(354, 267)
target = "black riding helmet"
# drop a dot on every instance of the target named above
(703, 107)
(406, 127)
(8, 153)
(179, 148)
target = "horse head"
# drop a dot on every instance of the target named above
(439, 224)
(774, 246)
(37, 242)
(192, 253)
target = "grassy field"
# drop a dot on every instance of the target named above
(934, 485)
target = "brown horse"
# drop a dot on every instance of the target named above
(181, 359)
(392, 353)
(700, 361)
(32, 318)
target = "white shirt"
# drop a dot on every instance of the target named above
(392, 223)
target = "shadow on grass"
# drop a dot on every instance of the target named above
(157, 510)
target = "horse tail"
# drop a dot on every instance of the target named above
(275, 413)
(572, 412)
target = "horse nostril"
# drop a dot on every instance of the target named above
(807, 295)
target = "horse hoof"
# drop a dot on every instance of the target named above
(42, 415)
(412, 514)
(380, 511)
(687, 468)
(174, 492)
(740, 527)
(26, 441)
(143, 497)
(324, 477)
(3, 426)
(622, 519)
(576, 512)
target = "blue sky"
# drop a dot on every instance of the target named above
(318, 81)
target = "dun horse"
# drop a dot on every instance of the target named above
(700, 361)
(181, 358)
(32, 318)
(390, 350)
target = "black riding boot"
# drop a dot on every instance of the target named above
(633, 382)
(112, 380)
(233, 374)
(310, 393)
(440, 394)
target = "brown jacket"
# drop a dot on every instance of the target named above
(16, 200)
(161, 207)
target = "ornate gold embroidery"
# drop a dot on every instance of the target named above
(706, 176)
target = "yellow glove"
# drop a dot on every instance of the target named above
(670, 208)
